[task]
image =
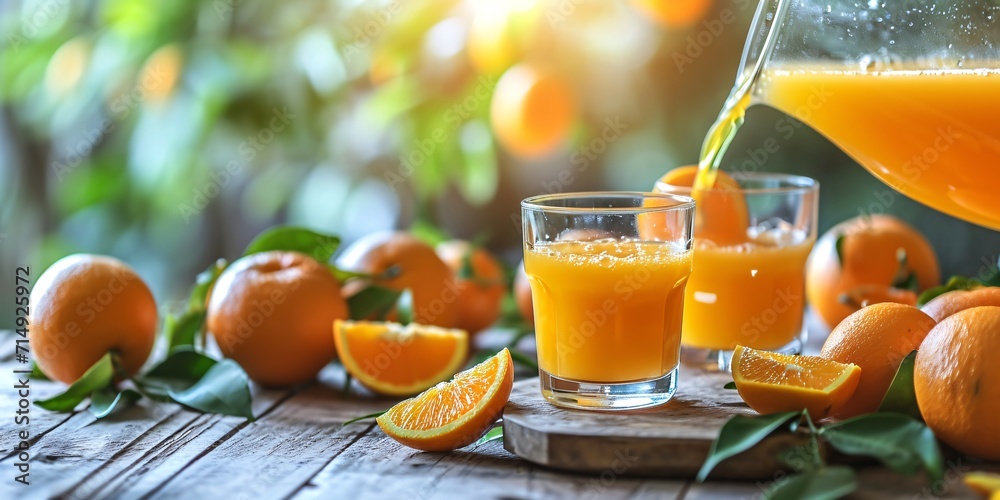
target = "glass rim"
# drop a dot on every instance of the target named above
(536, 203)
(796, 184)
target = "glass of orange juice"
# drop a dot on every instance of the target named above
(753, 233)
(608, 295)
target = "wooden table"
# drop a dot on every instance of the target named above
(298, 448)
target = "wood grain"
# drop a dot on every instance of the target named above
(299, 449)
(669, 441)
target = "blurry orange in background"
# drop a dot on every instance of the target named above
(479, 282)
(491, 45)
(673, 13)
(532, 111)
(161, 72)
(400, 261)
(721, 216)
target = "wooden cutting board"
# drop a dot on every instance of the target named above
(670, 441)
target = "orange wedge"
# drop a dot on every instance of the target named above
(984, 483)
(454, 414)
(771, 382)
(398, 360)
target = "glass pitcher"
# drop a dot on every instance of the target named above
(909, 88)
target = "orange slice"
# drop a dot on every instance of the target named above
(454, 414)
(398, 360)
(771, 382)
(984, 483)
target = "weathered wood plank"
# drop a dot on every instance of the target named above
(377, 467)
(277, 454)
(81, 446)
(722, 490)
(168, 447)
(40, 421)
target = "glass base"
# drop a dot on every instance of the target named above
(721, 359)
(614, 396)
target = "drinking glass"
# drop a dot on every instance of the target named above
(607, 273)
(753, 233)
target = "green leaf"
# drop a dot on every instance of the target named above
(37, 373)
(826, 483)
(203, 282)
(364, 417)
(428, 232)
(97, 377)
(839, 247)
(343, 275)
(224, 389)
(182, 332)
(954, 283)
(901, 396)
(492, 435)
(181, 370)
(404, 307)
(298, 239)
(373, 301)
(730, 385)
(104, 400)
(467, 271)
(741, 433)
(900, 442)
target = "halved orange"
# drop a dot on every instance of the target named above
(453, 414)
(770, 382)
(984, 483)
(398, 360)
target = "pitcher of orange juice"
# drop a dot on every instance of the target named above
(907, 88)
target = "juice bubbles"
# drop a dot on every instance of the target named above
(931, 135)
(749, 294)
(608, 310)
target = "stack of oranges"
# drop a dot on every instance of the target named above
(267, 308)
(284, 315)
(862, 279)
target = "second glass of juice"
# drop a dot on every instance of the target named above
(753, 234)
(608, 295)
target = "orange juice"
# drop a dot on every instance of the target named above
(608, 310)
(749, 294)
(932, 135)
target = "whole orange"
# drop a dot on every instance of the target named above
(522, 295)
(957, 381)
(272, 312)
(531, 111)
(673, 14)
(84, 306)
(479, 281)
(868, 255)
(399, 261)
(876, 338)
(721, 216)
(949, 303)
